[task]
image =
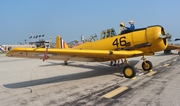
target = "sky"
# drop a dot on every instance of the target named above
(72, 18)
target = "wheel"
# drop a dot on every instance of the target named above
(165, 51)
(148, 66)
(179, 53)
(129, 71)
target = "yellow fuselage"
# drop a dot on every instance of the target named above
(146, 39)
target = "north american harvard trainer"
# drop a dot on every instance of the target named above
(139, 42)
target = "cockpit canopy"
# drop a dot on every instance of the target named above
(108, 33)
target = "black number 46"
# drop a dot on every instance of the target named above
(121, 42)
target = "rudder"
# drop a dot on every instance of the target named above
(60, 43)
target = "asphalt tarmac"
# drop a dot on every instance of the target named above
(32, 82)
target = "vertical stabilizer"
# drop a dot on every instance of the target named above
(60, 43)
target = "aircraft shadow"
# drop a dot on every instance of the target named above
(85, 65)
(63, 78)
(82, 65)
(54, 64)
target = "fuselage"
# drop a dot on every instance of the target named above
(145, 39)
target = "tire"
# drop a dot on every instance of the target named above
(179, 53)
(165, 51)
(148, 66)
(129, 71)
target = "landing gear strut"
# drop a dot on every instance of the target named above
(146, 65)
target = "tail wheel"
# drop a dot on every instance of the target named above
(147, 66)
(129, 71)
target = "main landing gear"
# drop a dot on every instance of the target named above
(130, 71)
(146, 65)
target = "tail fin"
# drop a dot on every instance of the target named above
(60, 43)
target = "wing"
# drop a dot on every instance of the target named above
(73, 54)
(172, 47)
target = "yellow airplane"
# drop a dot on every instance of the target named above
(139, 42)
